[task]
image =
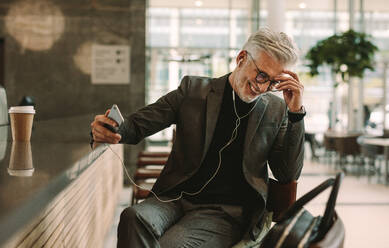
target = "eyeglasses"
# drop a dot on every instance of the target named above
(263, 78)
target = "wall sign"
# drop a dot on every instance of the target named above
(110, 64)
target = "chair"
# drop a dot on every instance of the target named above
(313, 144)
(347, 146)
(149, 167)
(280, 198)
(145, 161)
(150, 154)
(329, 146)
(370, 154)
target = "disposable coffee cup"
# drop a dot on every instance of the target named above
(20, 163)
(22, 118)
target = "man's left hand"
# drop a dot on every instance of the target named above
(292, 90)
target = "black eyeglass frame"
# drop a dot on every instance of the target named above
(263, 77)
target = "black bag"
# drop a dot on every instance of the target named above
(297, 227)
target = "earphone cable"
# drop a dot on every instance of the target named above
(234, 135)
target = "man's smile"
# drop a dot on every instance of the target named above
(254, 89)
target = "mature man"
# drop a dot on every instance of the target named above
(213, 188)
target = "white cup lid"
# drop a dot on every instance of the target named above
(21, 173)
(22, 109)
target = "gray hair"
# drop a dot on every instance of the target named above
(277, 44)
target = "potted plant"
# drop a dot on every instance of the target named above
(348, 54)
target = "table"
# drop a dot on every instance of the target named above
(341, 134)
(55, 191)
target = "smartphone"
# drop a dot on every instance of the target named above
(115, 115)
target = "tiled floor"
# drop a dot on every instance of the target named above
(363, 205)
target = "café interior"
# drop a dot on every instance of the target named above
(72, 60)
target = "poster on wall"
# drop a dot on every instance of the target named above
(110, 64)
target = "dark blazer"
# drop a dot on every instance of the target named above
(194, 108)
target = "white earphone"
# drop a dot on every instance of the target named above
(233, 137)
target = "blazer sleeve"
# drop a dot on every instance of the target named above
(287, 153)
(154, 117)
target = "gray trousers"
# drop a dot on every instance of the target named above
(152, 223)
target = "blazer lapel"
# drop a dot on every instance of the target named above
(254, 120)
(214, 100)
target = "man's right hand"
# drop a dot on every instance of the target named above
(102, 134)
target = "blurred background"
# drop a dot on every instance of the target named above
(75, 58)
(203, 38)
(78, 57)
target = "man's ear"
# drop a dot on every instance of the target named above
(241, 57)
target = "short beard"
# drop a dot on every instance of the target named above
(246, 99)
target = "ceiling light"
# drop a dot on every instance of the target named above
(199, 3)
(343, 67)
(302, 5)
